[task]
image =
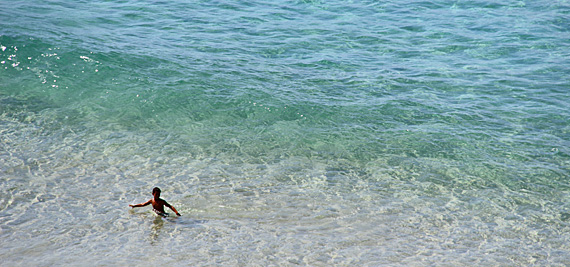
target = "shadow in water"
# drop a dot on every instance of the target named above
(161, 224)
(156, 229)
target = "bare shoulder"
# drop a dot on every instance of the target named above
(165, 203)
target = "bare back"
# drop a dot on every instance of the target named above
(158, 204)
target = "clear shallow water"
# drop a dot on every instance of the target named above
(286, 133)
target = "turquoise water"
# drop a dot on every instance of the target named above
(312, 133)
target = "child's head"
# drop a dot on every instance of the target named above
(156, 192)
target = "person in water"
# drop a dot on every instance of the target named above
(157, 204)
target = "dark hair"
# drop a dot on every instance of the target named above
(156, 189)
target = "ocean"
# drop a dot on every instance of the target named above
(286, 133)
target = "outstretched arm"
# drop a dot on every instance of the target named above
(141, 205)
(172, 208)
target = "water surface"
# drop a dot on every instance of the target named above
(399, 133)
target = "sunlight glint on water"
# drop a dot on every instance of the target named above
(286, 133)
